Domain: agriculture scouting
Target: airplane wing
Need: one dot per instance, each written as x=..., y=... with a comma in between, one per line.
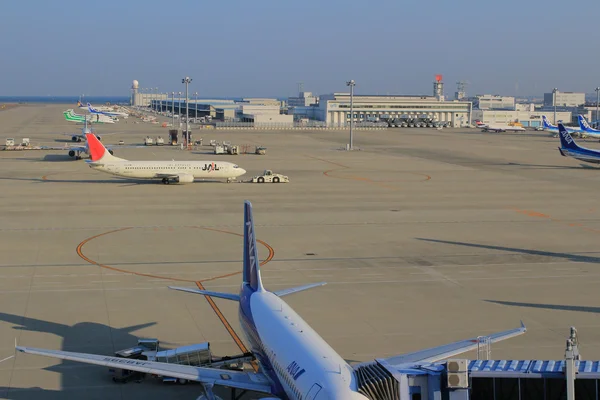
x=441, y=352
x=67, y=147
x=236, y=379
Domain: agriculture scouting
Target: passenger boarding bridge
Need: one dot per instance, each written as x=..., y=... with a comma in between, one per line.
x=485, y=379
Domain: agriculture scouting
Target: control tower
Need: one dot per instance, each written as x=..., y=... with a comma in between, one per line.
x=438, y=88
x=134, y=91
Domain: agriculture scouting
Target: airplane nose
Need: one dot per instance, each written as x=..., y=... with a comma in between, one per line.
x=242, y=171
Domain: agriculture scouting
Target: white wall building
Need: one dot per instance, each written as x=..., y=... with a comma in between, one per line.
x=526, y=118
x=564, y=99
x=495, y=102
x=334, y=108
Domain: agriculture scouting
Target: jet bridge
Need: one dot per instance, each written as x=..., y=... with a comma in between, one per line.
x=485, y=379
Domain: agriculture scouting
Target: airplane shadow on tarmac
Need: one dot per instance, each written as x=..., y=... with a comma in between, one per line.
x=542, y=166
x=80, y=334
x=92, y=382
x=566, y=256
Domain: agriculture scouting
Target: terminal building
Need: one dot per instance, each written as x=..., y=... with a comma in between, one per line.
x=334, y=109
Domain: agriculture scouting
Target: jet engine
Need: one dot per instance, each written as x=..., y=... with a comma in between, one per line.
x=184, y=178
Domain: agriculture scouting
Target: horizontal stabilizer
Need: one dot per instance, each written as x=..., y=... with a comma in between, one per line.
x=226, y=296
x=297, y=289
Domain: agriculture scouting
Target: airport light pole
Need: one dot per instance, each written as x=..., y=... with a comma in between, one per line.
x=156, y=108
x=554, y=91
x=187, y=80
x=173, y=109
x=597, y=101
x=195, y=104
x=351, y=83
x=179, y=108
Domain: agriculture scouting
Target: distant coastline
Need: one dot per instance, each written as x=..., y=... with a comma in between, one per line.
x=123, y=100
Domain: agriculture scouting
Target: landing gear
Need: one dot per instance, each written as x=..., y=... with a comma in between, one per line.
x=165, y=181
x=71, y=153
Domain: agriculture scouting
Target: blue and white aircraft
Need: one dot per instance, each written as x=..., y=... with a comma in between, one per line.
x=294, y=361
x=108, y=113
x=568, y=148
x=554, y=129
x=586, y=129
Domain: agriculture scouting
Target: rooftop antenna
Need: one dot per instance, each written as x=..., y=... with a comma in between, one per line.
x=461, y=89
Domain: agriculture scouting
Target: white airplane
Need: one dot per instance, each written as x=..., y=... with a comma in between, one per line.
x=586, y=129
x=501, y=128
x=167, y=171
x=294, y=361
x=104, y=111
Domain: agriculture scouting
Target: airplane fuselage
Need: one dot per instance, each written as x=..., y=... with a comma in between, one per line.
x=160, y=169
x=299, y=362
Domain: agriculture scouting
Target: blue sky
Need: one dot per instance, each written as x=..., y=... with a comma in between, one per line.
x=264, y=47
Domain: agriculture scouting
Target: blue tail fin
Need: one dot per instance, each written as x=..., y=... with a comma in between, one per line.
x=251, y=273
x=583, y=124
x=546, y=123
x=566, y=141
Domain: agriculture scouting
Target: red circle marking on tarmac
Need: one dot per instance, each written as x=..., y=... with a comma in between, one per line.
x=89, y=260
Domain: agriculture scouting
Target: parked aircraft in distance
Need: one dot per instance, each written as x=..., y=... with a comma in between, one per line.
x=502, y=128
x=96, y=119
x=554, y=129
x=568, y=148
x=167, y=171
x=586, y=129
x=109, y=113
x=294, y=361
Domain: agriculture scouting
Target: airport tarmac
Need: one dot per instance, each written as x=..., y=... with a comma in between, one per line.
x=424, y=237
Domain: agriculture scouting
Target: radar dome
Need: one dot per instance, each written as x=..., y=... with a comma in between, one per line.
x=135, y=84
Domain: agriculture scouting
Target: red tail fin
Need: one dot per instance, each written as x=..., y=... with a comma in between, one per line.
x=97, y=149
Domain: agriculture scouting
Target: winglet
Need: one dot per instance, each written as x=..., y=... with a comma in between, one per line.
x=523, y=326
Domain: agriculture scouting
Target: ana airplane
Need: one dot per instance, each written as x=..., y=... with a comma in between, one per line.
x=167, y=171
x=586, y=129
x=554, y=129
x=294, y=361
x=106, y=112
x=568, y=148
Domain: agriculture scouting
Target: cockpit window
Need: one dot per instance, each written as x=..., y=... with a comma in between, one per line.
x=235, y=166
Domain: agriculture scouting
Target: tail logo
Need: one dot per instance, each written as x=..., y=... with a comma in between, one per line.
x=251, y=253
x=567, y=137
x=585, y=123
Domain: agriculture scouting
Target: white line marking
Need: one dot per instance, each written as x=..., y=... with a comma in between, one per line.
x=7, y=358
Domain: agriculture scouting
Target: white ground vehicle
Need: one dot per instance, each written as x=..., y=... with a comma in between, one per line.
x=269, y=176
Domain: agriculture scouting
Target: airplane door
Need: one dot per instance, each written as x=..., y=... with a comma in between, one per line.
x=314, y=390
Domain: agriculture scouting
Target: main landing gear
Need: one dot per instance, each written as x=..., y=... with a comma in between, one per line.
x=165, y=181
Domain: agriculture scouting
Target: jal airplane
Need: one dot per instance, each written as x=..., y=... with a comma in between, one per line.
x=108, y=113
x=568, y=148
x=166, y=171
x=586, y=129
x=294, y=361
